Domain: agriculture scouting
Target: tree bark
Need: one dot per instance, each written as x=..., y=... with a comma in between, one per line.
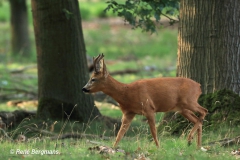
x=62, y=65
x=20, y=44
x=208, y=43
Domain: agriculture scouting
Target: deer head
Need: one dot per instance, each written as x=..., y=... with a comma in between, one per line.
x=97, y=79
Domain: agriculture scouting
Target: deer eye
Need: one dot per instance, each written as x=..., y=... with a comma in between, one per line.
x=93, y=79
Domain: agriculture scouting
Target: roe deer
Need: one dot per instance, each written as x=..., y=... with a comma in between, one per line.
x=147, y=96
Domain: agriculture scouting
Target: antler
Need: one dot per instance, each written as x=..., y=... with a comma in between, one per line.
x=96, y=64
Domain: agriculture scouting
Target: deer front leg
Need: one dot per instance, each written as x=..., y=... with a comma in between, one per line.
x=151, y=122
x=126, y=121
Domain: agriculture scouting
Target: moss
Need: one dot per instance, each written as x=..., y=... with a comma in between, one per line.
x=223, y=107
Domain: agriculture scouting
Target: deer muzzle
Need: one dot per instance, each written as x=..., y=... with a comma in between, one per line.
x=85, y=90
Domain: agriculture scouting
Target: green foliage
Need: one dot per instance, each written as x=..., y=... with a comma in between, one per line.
x=93, y=9
x=140, y=13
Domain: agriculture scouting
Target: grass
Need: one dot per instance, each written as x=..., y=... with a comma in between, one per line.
x=137, y=142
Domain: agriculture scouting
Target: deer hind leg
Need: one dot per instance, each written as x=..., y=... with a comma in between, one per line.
x=151, y=122
x=198, y=109
x=199, y=138
x=126, y=121
x=202, y=111
x=197, y=125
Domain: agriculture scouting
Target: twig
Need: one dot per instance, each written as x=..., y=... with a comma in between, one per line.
x=169, y=17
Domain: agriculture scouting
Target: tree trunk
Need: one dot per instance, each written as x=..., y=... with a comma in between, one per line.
x=20, y=44
x=62, y=65
x=208, y=43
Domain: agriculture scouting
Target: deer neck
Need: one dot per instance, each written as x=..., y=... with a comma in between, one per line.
x=115, y=89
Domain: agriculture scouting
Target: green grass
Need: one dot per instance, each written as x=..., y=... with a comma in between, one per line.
x=136, y=142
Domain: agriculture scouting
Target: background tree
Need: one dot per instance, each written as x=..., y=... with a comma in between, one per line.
x=20, y=44
x=61, y=57
x=208, y=44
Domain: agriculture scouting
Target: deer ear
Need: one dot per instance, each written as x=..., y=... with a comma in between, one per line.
x=104, y=69
x=99, y=65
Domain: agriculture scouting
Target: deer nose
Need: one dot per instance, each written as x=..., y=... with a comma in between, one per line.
x=85, y=90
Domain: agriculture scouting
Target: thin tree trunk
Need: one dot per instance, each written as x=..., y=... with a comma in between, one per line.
x=20, y=44
x=62, y=65
x=208, y=43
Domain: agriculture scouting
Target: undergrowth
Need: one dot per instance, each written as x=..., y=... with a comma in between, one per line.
x=47, y=135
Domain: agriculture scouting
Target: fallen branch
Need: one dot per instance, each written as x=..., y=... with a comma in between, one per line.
x=226, y=142
x=16, y=71
x=127, y=71
x=55, y=136
x=145, y=69
x=18, y=90
x=79, y=136
x=14, y=118
x=42, y=131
